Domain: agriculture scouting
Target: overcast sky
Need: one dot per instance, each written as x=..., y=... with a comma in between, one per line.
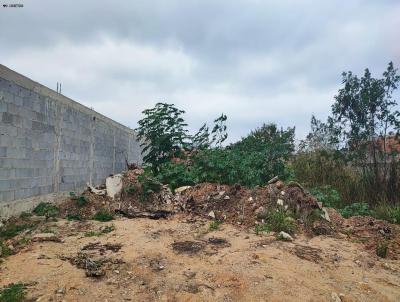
x=255, y=60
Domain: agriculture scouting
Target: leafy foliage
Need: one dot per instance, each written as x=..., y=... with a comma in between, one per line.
x=250, y=162
x=163, y=132
x=11, y=230
x=13, y=293
x=177, y=175
x=103, y=216
x=280, y=220
x=327, y=195
x=214, y=225
x=46, y=209
x=356, y=209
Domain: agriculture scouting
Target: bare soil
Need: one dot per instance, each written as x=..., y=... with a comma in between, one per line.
x=180, y=259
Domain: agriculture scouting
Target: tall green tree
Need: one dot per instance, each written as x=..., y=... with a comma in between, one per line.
x=163, y=133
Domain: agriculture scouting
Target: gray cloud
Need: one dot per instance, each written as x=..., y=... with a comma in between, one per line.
x=257, y=61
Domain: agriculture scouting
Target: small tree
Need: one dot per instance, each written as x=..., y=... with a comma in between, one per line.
x=219, y=131
x=163, y=132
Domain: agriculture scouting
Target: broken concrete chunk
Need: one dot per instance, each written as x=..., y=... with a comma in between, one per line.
x=325, y=215
x=114, y=185
x=273, y=180
x=285, y=236
x=97, y=191
x=181, y=189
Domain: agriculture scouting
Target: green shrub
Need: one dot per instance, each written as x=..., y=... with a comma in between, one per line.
x=388, y=213
x=4, y=250
x=280, y=220
x=149, y=184
x=177, y=175
x=77, y=217
x=130, y=190
x=103, y=230
x=214, y=225
x=13, y=293
x=81, y=200
x=261, y=228
x=103, y=216
x=46, y=209
x=329, y=196
x=11, y=230
x=382, y=249
x=356, y=209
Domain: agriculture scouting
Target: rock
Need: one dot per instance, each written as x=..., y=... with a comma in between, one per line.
x=259, y=211
x=96, y=191
x=283, y=193
x=211, y=214
x=189, y=274
x=285, y=236
x=227, y=197
x=279, y=184
x=114, y=185
x=325, y=215
x=273, y=180
x=335, y=297
x=181, y=189
x=279, y=202
x=46, y=237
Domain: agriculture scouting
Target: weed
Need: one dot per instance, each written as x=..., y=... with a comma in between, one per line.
x=356, y=209
x=280, y=220
x=382, y=249
x=103, y=216
x=81, y=200
x=25, y=215
x=46, y=209
x=131, y=190
x=103, y=230
x=214, y=225
x=11, y=230
x=4, y=250
x=261, y=228
x=388, y=213
x=77, y=217
x=13, y=293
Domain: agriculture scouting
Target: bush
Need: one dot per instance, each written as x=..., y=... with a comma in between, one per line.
x=13, y=293
x=388, y=213
x=280, y=220
x=103, y=216
x=4, y=250
x=356, y=209
x=46, y=209
x=11, y=230
x=77, y=217
x=177, y=175
x=149, y=183
x=327, y=195
x=80, y=200
x=214, y=225
x=261, y=228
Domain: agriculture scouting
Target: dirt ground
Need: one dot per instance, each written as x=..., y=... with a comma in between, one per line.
x=180, y=259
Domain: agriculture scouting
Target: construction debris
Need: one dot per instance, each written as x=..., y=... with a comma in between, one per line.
x=114, y=186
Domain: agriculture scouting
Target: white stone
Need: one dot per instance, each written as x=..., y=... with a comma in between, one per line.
x=279, y=202
x=211, y=214
x=285, y=236
x=181, y=189
x=114, y=185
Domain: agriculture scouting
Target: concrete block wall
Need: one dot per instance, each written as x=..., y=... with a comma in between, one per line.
x=51, y=145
